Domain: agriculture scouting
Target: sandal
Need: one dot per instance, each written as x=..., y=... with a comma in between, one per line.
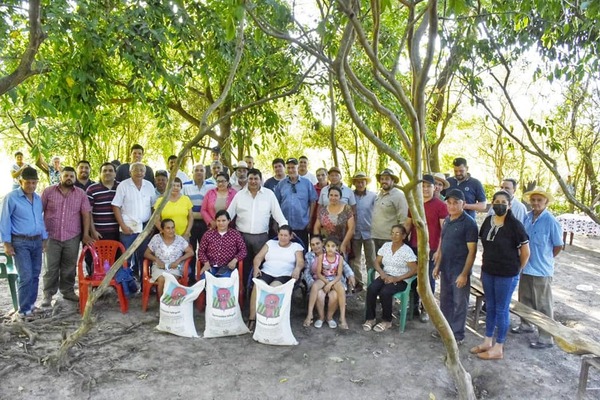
x=251, y=325
x=382, y=326
x=319, y=323
x=479, y=349
x=343, y=325
x=307, y=322
x=368, y=325
x=332, y=324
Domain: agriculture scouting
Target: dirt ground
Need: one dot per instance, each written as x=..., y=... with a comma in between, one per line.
x=124, y=356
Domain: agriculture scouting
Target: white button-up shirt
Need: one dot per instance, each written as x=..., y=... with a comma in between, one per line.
x=135, y=204
x=254, y=212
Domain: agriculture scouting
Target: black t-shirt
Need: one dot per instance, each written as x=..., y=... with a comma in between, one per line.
x=501, y=246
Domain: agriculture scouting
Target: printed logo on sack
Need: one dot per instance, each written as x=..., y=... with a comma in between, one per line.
x=269, y=305
x=223, y=298
x=174, y=295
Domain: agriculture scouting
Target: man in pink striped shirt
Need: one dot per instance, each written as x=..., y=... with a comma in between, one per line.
x=67, y=218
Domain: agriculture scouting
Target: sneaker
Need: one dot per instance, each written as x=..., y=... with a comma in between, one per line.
x=47, y=301
x=519, y=330
x=70, y=296
x=318, y=323
x=424, y=317
x=332, y=324
x=459, y=341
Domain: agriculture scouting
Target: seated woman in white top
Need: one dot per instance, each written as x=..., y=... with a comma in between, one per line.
x=283, y=260
x=399, y=263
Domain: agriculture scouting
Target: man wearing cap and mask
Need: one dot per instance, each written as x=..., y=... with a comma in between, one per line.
x=472, y=189
x=365, y=200
x=545, y=244
x=24, y=235
x=390, y=208
x=239, y=179
x=335, y=179
x=435, y=214
x=297, y=198
x=456, y=254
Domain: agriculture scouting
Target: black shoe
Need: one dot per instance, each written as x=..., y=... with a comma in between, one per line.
x=540, y=345
x=518, y=330
x=70, y=296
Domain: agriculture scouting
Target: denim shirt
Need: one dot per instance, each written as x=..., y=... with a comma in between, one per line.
x=296, y=200
x=364, y=214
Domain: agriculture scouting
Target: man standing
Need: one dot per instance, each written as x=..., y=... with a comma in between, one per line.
x=240, y=177
x=249, y=161
x=215, y=154
x=390, y=208
x=297, y=198
x=137, y=153
x=335, y=179
x=517, y=208
x=279, y=171
x=546, y=242
x=83, y=175
x=365, y=201
x=456, y=255
x=472, y=189
x=435, y=214
x=196, y=190
x=161, y=178
x=132, y=206
x=67, y=218
x=254, y=206
x=303, y=170
x=103, y=224
x=215, y=168
x=24, y=235
x=178, y=173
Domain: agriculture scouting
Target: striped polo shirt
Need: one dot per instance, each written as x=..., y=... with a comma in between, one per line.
x=100, y=198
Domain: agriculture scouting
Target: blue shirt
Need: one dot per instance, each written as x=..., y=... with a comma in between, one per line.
x=544, y=233
x=364, y=214
x=21, y=217
x=455, y=236
x=296, y=200
x=347, y=196
x=472, y=189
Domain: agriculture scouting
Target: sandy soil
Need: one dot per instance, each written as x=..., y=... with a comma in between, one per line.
x=124, y=356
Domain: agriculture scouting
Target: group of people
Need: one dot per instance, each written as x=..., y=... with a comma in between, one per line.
x=217, y=222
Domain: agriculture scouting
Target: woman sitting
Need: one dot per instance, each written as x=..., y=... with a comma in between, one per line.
x=505, y=254
x=167, y=251
x=283, y=261
x=399, y=263
x=222, y=248
x=178, y=209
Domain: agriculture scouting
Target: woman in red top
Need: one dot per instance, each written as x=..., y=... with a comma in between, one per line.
x=221, y=247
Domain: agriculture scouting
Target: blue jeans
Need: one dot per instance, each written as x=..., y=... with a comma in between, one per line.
x=454, y=301
x=498, y=291
x=28, y=261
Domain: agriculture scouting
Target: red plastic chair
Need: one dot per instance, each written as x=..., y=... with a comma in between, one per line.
x=201, y=300
x=183, y=280
x=100, y=250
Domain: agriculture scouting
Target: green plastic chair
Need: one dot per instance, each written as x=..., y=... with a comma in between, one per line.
x=405, y=298
x=8, y=271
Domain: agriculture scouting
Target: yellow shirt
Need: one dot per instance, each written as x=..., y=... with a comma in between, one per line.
x=178, y=211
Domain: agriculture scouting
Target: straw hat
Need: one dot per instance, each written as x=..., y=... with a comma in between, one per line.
x=388, y=172
x=541, y=192
x=438, y=176
x=361, y=175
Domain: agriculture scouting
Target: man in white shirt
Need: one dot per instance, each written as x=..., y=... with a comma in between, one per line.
x=132, y=206
x=179, y=173
x=254, y=206
x=304, y=172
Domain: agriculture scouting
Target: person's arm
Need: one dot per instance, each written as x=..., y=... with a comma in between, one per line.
x=299, y=265
x=412, y=271
x=188, y=253
x=437, y=252
x=149, y=254
x=241, y=251
x=85, y=219
x=317, y=227
x=345, y=246
x=556, y=250
x=190, y=223
x=157, y=221
x=276, y=212
x=320, y=275
x=461, y=280
x=258, y=259
x=524, y=253
x=408, y=224
x=437, y=258
x=311, y=212
x=119, y=217
x=204, y=210
x=17, y=173
x=95, y=235
x=478, y=206
x=378, y=267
